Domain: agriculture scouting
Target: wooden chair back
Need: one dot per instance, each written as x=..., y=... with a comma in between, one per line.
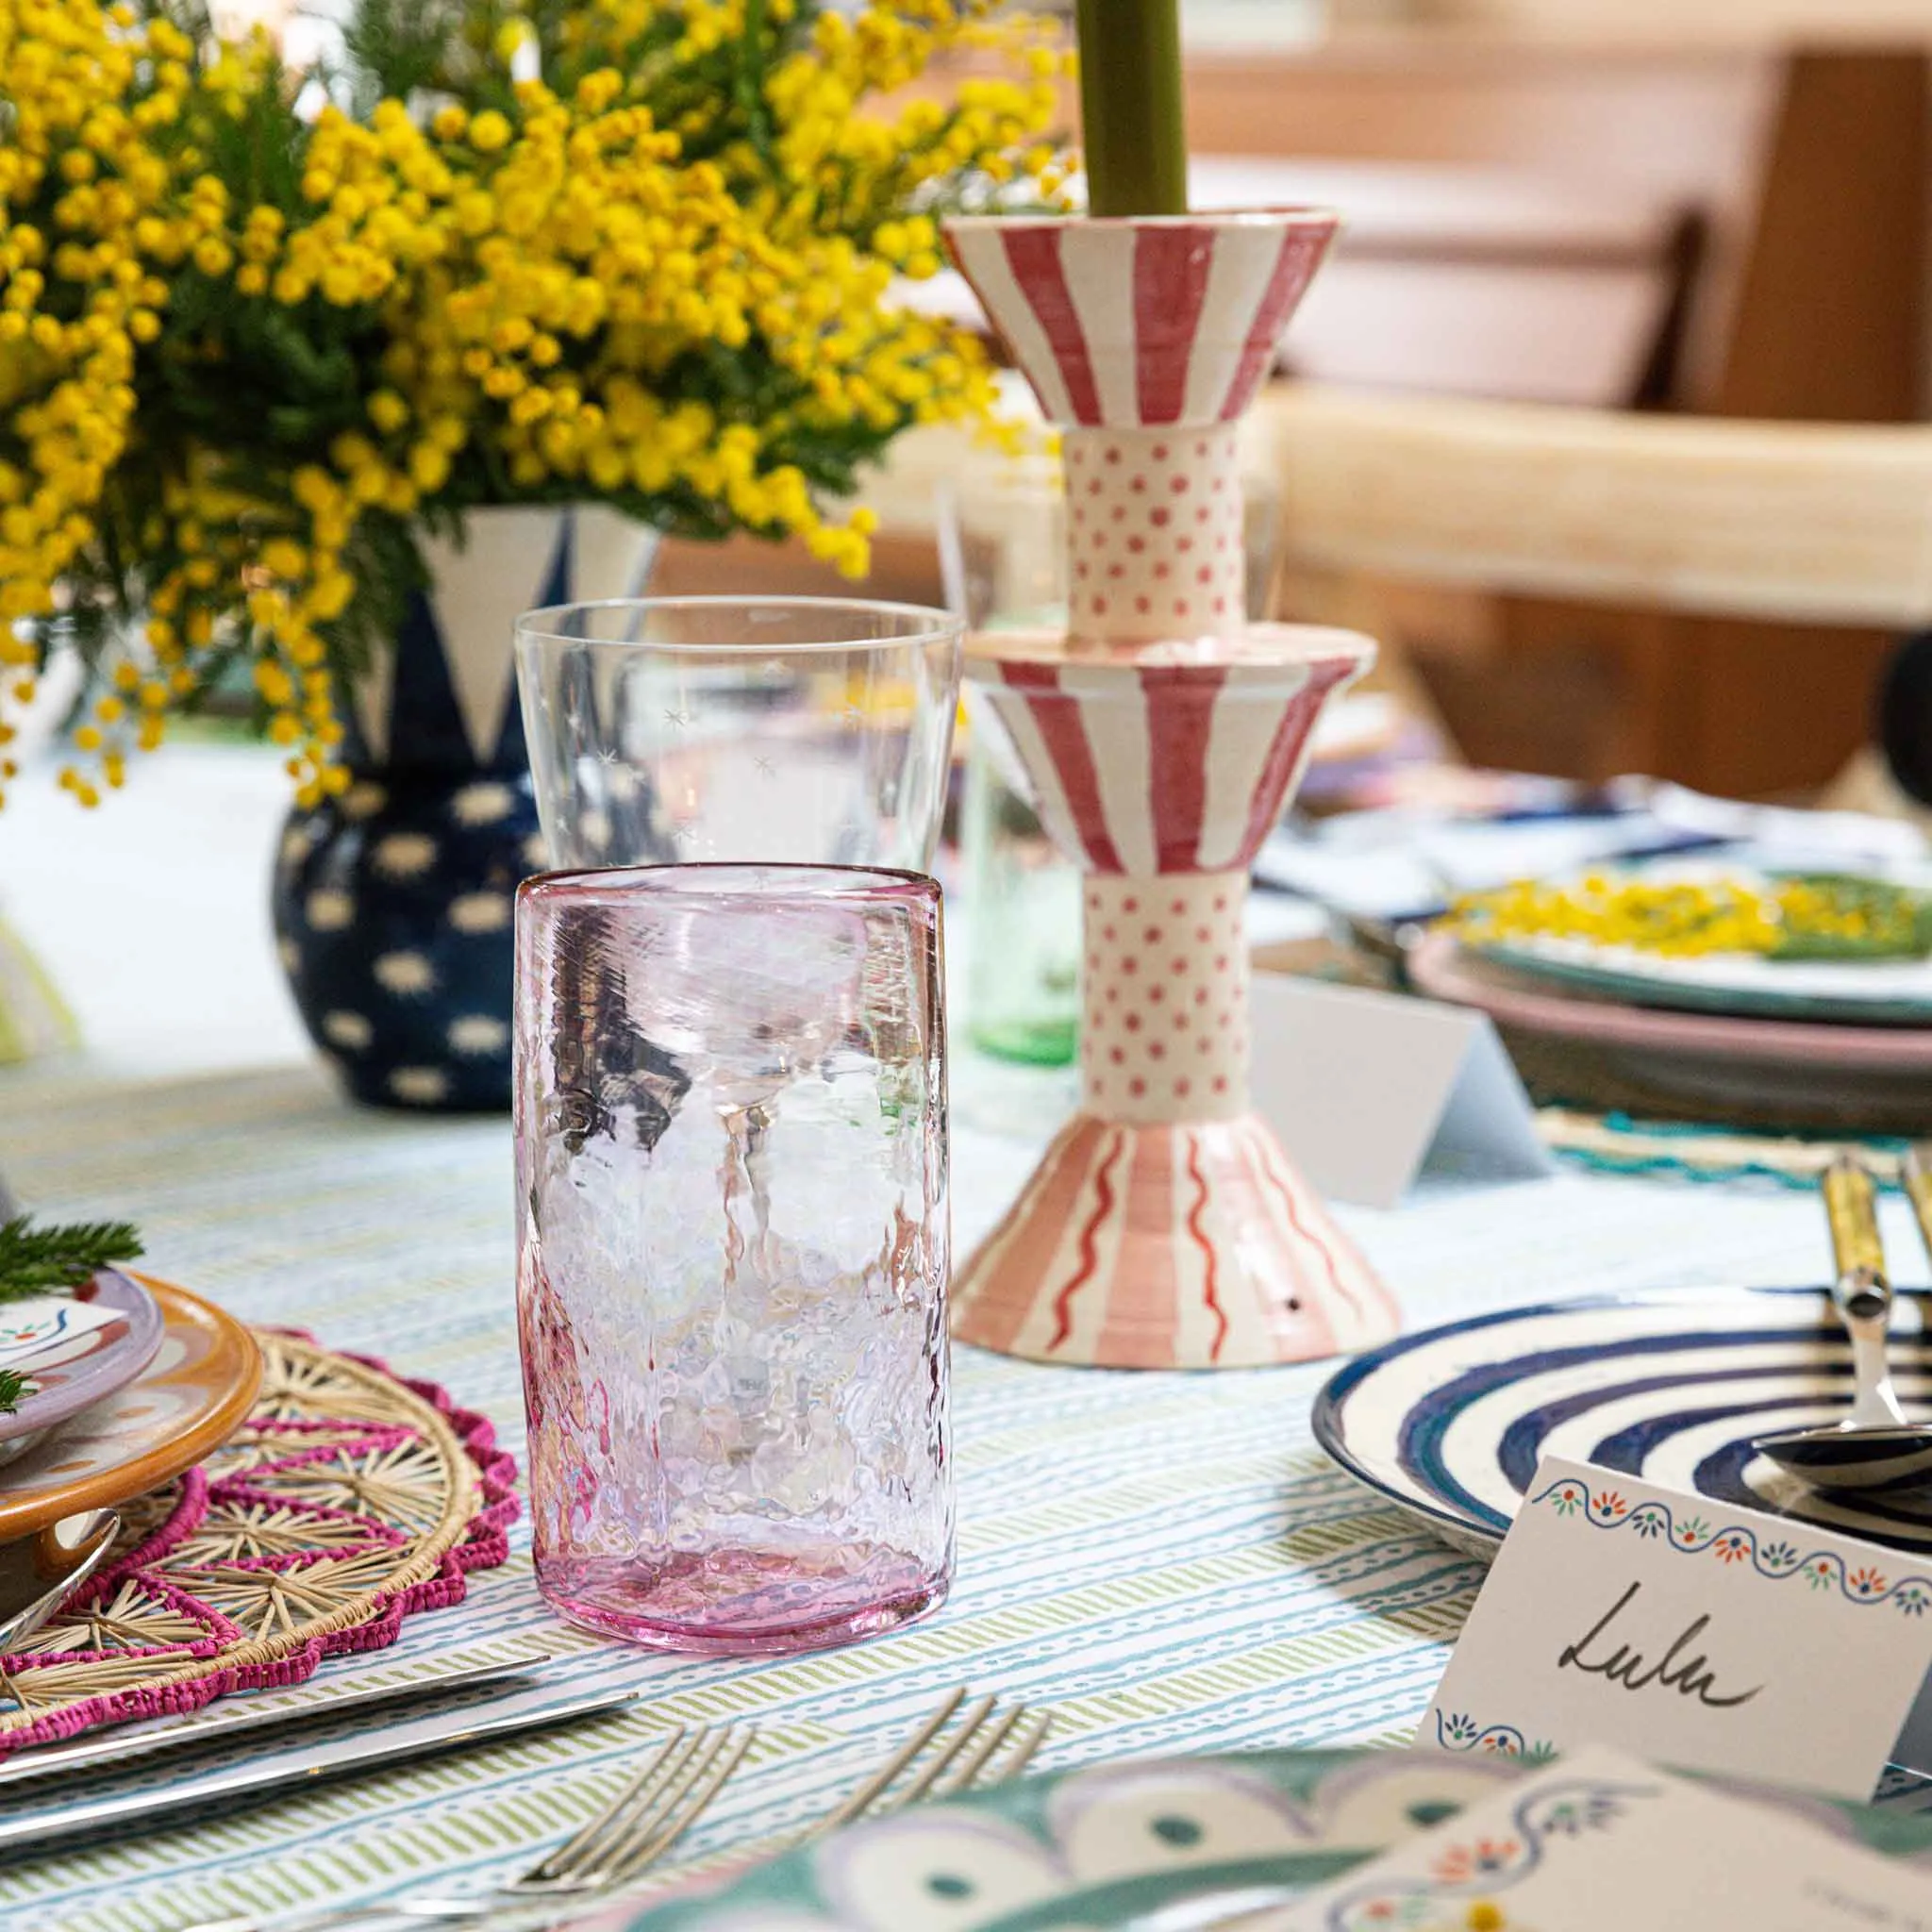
x=1590, y=593
x=1793, y=523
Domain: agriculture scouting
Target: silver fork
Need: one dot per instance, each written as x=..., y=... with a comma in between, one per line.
x=987, y=1748
x=635, y=1829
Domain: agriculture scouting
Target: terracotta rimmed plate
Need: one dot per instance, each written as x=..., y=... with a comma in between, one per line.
x=69, y=1375
x=190, y=1399
x=1877, y=1079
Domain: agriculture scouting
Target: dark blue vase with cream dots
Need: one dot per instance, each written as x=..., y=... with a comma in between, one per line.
x=394, y=903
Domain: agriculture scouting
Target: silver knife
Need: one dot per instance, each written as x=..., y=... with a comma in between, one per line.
x=427, y=1736
x=118, y=1748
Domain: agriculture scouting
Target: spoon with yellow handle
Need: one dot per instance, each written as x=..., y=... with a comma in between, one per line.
x=1917, y=1178
x=1875, y=1447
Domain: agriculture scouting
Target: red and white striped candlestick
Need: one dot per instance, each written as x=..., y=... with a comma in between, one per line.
x=1163, y=737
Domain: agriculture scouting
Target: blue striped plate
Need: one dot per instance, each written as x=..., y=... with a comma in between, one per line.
x=1674, y=1388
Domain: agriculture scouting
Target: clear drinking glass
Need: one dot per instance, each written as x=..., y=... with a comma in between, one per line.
x=1022, y=910
x=733, y=1250
x=1006, y=526
x=802, y=730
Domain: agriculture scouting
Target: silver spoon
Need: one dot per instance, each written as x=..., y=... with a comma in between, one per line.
x=1875, y=1447
x=38, y=1573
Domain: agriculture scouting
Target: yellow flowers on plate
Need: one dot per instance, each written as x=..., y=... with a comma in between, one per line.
x=1814, y=916
x=259, y=330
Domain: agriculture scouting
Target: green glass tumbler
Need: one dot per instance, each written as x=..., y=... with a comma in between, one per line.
x=1023, y=979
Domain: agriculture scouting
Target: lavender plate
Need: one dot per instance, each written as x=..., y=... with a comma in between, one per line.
x=73, y=1374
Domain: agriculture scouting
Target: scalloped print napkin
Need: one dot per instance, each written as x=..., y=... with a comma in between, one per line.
x=1601, y=1843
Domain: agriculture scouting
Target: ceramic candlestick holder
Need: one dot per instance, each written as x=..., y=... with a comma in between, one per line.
x=1164, y=736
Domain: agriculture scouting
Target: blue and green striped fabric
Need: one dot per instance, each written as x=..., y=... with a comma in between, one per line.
x=1166, y=1561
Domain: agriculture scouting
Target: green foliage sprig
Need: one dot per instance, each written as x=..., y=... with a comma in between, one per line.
x=52, y=1260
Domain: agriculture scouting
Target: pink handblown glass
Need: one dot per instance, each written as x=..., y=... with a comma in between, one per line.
x=733, y=1251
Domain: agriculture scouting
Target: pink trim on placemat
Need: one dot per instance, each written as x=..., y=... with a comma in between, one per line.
x=485, y=1547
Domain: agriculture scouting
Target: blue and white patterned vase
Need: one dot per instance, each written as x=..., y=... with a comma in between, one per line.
x=394, y=903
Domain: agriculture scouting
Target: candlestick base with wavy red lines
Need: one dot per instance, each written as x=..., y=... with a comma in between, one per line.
x=1163, y=737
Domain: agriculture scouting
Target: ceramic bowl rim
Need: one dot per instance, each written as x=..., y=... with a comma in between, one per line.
x=1286, y=215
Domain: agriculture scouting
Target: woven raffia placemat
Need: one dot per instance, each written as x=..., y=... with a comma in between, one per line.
x=349, y=1500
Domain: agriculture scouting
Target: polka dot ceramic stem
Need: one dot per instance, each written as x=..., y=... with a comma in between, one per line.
x=1164, y=736
x=1166, y=1028
x=1159, y=547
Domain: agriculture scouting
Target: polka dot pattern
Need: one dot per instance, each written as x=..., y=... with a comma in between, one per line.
x=395, y=924
x=1165, y=1033
x=1154, y=536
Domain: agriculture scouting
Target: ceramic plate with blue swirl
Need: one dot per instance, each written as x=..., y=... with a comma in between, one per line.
x=1450, y=1424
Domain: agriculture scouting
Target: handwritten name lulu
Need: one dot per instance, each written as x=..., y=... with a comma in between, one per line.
x=1689, y=1675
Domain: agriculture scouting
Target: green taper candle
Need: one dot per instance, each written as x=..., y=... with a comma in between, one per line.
x=1136, y=135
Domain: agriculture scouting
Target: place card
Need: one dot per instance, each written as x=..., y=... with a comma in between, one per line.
x=1366, y=1088
x=1700, y=1635
x=1601, y=1843
x=32, y=1328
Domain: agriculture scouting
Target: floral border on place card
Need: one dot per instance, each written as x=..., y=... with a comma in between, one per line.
x=1774, y=1560
x=1461, y=1734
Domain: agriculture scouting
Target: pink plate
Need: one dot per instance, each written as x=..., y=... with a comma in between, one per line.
x=1878, y=1078
x=1441, y=968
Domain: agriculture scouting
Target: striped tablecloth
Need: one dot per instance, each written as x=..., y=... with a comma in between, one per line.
x=1166, y=1561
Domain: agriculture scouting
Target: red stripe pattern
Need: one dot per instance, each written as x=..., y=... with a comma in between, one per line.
x=1142, y=1329
x=1210, y=1281
x=1171, y=268
x=1180, y=732
x=1033, y=254
x=1302, y=254
x=1061, y=728
x=1210, y=299
x=1281, y=1282
x=1184, y=720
